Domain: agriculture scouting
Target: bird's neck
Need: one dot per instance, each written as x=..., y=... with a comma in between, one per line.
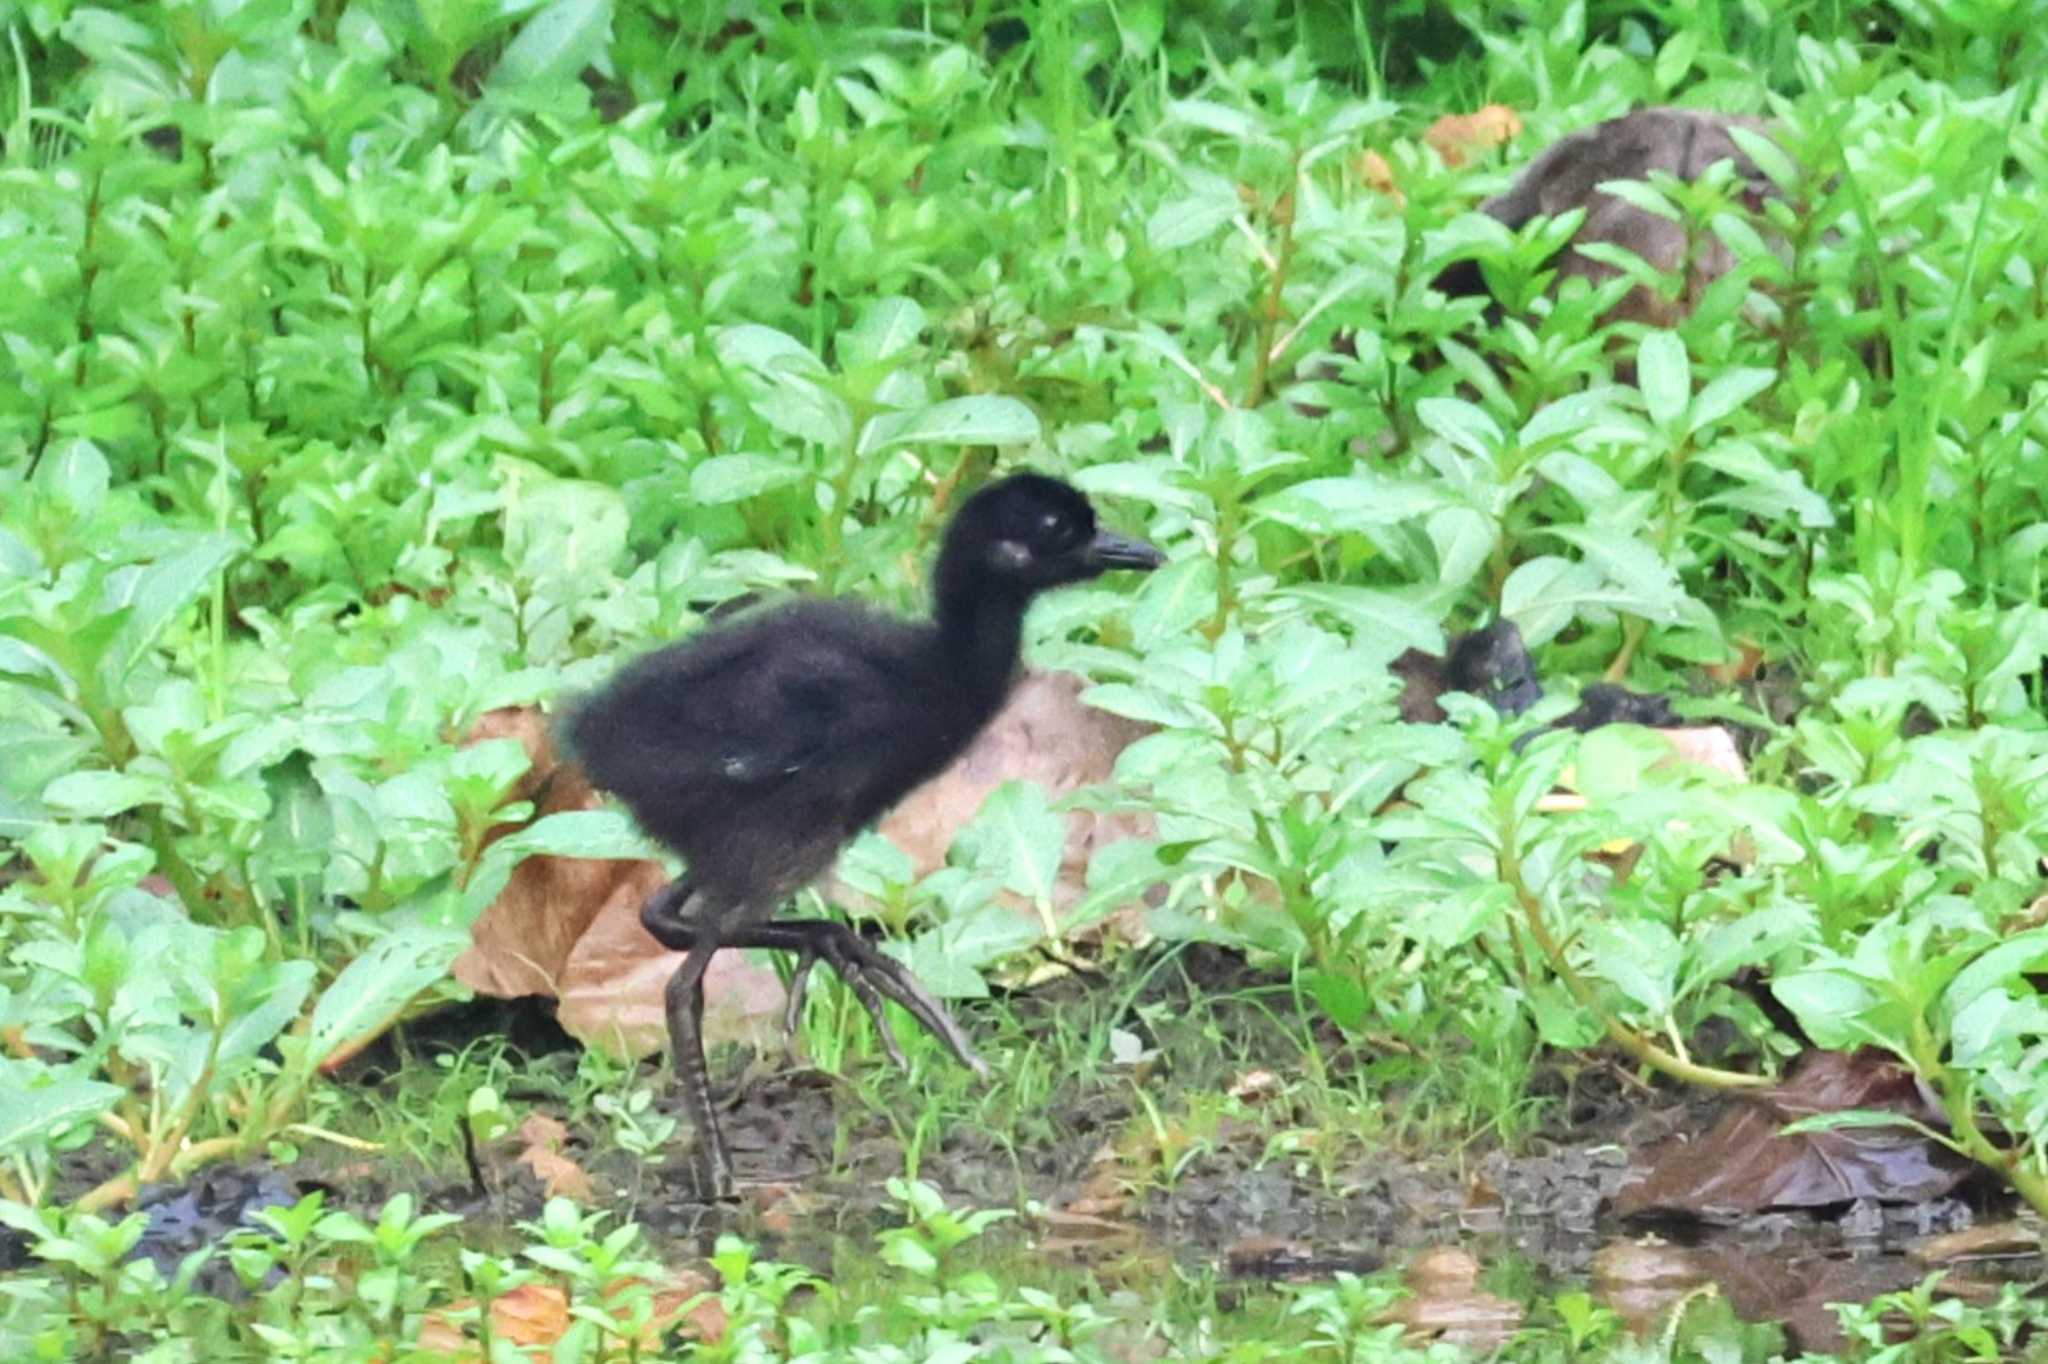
x=982, y=636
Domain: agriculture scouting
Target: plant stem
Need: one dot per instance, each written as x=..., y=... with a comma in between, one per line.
x=1623, y=1036
x=1959, y=1103
x=1274, y=308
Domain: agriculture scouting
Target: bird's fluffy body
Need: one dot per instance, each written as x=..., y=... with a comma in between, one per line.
x=758, y=748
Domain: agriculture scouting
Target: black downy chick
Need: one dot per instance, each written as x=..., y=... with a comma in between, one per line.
x=758, y=748
x=1491, y=663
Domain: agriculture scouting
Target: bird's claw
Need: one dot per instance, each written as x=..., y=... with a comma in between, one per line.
x=874, y=976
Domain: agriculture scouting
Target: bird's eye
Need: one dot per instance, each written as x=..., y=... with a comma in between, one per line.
x=1049, y=522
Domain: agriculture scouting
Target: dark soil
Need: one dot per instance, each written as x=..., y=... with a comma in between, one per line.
x=1231, y=1204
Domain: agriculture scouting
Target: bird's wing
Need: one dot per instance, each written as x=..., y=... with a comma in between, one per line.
x=805, y=709
x=748, y=708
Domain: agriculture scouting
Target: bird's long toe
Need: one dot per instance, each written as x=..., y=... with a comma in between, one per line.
x=869, y=972
x=793, y=1005
x=855, y=974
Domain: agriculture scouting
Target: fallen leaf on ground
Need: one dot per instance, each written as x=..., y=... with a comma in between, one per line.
x=522, y=940
x=541, y=1143
x=1709, y=746
x=527, y=1314
x=1642, y=1280
x=1746, y=1165
x=1255, y=1086
x=1800, y=1293
x=1267, y=1257
x=1446, y=1303
x=1064, y=1229
x=1990, y=1240
x=615, y=980
x=537, y=1314
x=570, y=927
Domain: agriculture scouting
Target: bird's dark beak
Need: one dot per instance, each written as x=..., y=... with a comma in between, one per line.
x=1111, y=550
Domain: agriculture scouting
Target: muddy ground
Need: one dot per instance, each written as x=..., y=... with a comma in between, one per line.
x=1105, y=1196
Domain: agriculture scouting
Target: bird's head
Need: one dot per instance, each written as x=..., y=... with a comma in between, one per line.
x=1027, y=533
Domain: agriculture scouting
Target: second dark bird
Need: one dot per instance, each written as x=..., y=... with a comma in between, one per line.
x=758, y=748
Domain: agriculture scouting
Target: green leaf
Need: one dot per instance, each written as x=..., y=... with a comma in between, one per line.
x=1197, y=216
x=100, y=795
x=806, y=411
x=372, y=989
x=949, y=959
x=77, y=473
x=1545, y=594
x=1149, y=705
x=982, y=419
x=554, y=46
x=1770, y=158
x=161, y=591
x=1859, y=1118
x=906, y=1253
x=1155, y=482
x=1388, y=623
x=2003, y=967
x=1119, y=874
x=1640, y=958
x=1638, y=579
x=34, y=1113
x=1342, y=996
x=1764, y=487
x=1641, y=195
x=1664, y=372
x=886, y=330
x=600, y=834
x=1018, y=838
x=1831, y=1007
x=1995, y=1028
x=1676, y=58
x=1751, y=940
x=1239, y=125
x=1560, y=1021
x=1465, y=426
x=1331, y=506
x=735, y=478
x=752, y=346
x=1726, y=392
x=562, y=528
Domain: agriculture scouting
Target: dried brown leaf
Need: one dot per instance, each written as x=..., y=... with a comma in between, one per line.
x=523, y=939
x=1456, y=137
x=1255, y=1086
x=1446, y=1303
x=542, y=1140
x=1373, y=172
x=1746, y=1165
x=570, y=927
x=536, y=1315
x=1749, y=656
x=1043, y=734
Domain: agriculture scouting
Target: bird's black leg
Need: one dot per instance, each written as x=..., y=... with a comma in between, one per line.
x=699, y=938
x=871, y=975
